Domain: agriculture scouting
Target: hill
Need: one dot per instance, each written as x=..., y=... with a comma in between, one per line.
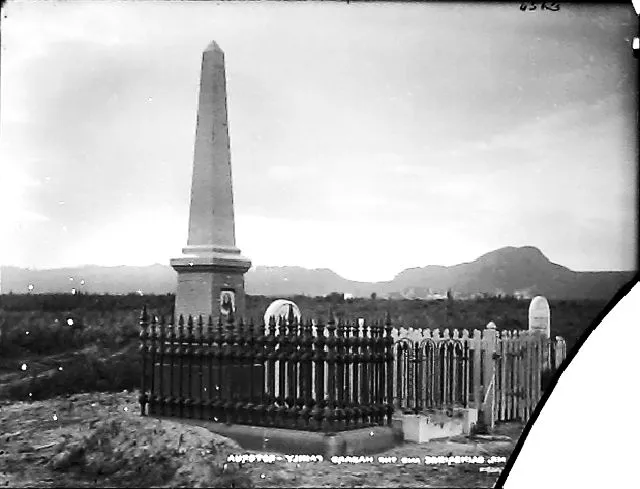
x=524, y=271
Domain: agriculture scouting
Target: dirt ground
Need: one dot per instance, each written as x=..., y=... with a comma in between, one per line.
x=101, y=440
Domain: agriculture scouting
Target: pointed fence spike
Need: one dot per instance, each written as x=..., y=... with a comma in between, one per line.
x=290, y=315
x=387, y=319
x=331, y=318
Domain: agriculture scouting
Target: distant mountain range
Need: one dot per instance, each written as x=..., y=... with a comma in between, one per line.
x=523, y=271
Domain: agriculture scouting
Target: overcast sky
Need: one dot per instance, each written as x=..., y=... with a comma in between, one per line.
x=364, y=138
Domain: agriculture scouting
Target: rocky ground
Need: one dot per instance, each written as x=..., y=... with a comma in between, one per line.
x=100, y=439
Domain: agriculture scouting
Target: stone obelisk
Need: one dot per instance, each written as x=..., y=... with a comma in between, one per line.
x=211, y=270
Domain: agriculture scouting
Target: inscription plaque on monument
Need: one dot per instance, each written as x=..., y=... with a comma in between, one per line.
x=227, y=302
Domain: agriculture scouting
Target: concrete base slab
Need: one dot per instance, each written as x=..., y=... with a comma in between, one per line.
x=364, y=441
x=436, y=424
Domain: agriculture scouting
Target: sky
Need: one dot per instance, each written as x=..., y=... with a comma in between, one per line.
x=365, y=138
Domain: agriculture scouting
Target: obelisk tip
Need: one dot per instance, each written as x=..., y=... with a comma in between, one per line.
x=213, y=46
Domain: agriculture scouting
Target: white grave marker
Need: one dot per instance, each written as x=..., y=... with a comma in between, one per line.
x=540, y=316
x=278, y=308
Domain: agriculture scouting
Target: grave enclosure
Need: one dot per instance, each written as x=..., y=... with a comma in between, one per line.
x=337, y=376
x=303, y=386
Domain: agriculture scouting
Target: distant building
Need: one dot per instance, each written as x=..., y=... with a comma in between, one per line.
x=436, y=296
x=410, y=293
x=522, y=294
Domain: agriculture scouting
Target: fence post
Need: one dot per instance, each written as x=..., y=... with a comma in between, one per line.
x=258, y=376
x=348, y=377
x=367, y=374
x=153, y=337
x=489, y=394
x=476, y=346
x=331, y=373
x=307, y=383
x=209, y=360
x=143, y=398
x=317, y=413
x=530, y=342
x=270, y=372
x=395, y=336
x=538, y=362
x=388, y=327
x=503, y=373
x=521, y=362
x=229, y=370
x=514, y=374
x=465, y=368
x=179, y=352
x=340, y=419
x=190, y=353
x=160, y=353
x=282, y=343
x=355, y=394
x=295, y=345
x=560, y=352
x=380, y=381
x=217, y=409
x=169, y=352
x=243, y=346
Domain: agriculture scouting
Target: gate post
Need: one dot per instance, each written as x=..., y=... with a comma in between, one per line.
x=489, y=374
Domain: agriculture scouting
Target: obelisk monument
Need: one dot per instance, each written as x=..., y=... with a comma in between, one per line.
x=211, y=270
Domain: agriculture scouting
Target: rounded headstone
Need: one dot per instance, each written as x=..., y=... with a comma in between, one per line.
x=280, y=307
x=540, y=316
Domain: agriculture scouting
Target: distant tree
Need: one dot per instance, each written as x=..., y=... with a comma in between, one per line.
x=335, y=297
x=374, y=296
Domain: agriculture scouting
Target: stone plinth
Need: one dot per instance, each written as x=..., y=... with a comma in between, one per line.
x=436, y=424
x=202, y=279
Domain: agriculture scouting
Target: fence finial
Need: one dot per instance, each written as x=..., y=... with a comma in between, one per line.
x=290, y=315
x=331, y=319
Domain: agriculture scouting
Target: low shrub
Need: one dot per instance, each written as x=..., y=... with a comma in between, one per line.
x=88, y=371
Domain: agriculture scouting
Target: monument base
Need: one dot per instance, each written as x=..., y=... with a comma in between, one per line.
x=206, y=280
x=364, y=441
x=436, y=424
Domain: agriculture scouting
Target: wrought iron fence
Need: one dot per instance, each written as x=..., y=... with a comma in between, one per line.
x=294, y=374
